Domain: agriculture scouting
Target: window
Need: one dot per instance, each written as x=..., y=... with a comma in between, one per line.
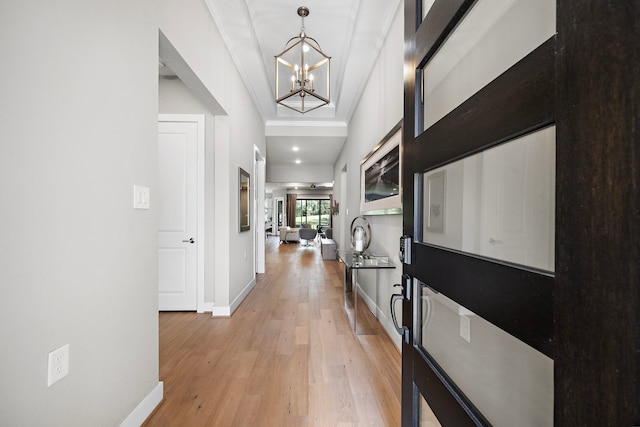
x=313, y=211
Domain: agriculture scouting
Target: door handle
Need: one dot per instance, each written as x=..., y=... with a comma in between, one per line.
x=402, y=330
x=189, y=241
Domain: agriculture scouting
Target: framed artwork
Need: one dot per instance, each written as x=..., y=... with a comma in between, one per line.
x=436, y=201
x=380, y=176
x=244, y=220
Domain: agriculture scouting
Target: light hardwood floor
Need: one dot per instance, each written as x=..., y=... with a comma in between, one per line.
x=286, y=357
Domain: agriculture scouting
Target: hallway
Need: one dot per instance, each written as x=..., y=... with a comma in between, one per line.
x=286, y=357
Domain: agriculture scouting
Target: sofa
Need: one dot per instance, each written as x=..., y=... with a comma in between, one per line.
x=288, y=234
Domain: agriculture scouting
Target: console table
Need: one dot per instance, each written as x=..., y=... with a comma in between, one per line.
x=352, y=263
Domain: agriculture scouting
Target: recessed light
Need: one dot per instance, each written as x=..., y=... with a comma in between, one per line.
x=297, y=161
x=295, y=148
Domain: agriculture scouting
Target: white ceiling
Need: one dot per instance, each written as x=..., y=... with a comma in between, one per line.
x=350, y=31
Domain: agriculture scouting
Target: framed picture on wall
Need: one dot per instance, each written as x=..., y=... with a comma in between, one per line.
x=244, y=201
x=436, y=185
x=380, y=176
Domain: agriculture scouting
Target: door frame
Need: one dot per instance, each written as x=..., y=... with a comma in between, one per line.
x=342, y=235
x=199, y=119
x=259, y=172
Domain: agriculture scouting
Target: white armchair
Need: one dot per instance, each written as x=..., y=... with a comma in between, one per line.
x=288, y=234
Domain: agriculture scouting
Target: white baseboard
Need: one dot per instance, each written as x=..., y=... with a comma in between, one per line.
x=236, y=302
x=145, y=407
x=226, y=311
x=206, y=307
x=371, y=304
x=386, y=323
x=390, y=329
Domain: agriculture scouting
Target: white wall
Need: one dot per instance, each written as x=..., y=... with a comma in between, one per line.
x=189, y=27
x=246, y=129
x=380, y=108
x=78, y=265
x=307, y=173
x=79, y=128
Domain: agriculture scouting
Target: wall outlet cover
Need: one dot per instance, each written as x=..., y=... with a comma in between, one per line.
x=58, y=366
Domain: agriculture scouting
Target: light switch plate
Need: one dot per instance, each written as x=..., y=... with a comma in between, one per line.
x=140, y=197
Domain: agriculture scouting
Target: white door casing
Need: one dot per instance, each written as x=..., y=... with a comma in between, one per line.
x=179, y=201
x=259, y=173
x=343, y=234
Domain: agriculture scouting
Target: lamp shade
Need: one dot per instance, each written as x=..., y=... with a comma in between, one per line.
x=360, y=234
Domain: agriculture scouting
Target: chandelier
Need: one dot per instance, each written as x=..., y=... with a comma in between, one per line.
x=303, y=72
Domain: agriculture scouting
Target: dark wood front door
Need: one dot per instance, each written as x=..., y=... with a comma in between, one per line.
x=509, y=310
x=479, y=189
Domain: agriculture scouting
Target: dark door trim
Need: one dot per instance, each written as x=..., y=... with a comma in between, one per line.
x=519, y=101
x=518, y=301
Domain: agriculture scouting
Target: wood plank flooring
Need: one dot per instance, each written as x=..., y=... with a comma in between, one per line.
x=286, y=357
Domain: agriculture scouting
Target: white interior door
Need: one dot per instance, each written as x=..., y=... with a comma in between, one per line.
x=178, y=215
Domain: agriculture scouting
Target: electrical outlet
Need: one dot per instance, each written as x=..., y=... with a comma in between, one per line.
x=465, y=328
x=58, y=365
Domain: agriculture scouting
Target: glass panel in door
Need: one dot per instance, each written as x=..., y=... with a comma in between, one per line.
x=509, y=382
x=499, y=203
x=426, y=417
x=493, y=36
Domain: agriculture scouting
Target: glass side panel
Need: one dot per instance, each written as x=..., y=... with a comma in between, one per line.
x=492, y=37
x=509, y=382
x=426, y=415
x=426, y=7
x=499, y=203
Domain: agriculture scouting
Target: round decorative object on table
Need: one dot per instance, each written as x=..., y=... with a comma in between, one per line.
x=360, y=234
